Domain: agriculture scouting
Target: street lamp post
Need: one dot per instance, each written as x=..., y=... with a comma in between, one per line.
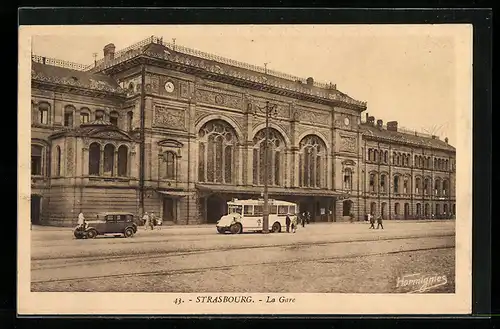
x=268, y=110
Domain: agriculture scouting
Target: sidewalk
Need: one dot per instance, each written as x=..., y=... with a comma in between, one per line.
x=210, y=226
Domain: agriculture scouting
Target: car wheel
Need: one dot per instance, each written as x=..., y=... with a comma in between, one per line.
x=276, y=227
x=128, y=232
x=91, y=234
x=77, y=235
x=236, y=228
x=221, y=230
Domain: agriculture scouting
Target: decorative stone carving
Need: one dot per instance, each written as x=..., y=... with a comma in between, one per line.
x=200, y=114
x=348, y=144
x=314, y=117
x=282, y=110
x=226, y=100
x=170, y=118
x=154, y=81
x=184, y=88
x=69, y=158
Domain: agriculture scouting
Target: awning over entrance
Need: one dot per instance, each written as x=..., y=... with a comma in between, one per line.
x=178, y=194
x=272, y=191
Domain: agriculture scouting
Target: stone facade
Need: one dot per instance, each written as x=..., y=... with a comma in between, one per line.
x=191, y=138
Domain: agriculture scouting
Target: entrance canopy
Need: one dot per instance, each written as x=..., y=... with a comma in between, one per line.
x=224, y=189
x=178, y=194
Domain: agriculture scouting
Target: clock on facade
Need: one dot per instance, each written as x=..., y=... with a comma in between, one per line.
x=169, y=86
x=346, y=121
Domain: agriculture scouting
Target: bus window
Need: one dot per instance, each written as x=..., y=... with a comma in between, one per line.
x=282, y=210
x=292, y=210
x=258, y=210
x=273, y=210
x=234, y=209
x=247, y=210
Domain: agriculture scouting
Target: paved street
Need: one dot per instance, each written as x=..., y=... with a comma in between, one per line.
x=326, y=257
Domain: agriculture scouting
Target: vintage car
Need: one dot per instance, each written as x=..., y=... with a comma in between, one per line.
x=109, y=223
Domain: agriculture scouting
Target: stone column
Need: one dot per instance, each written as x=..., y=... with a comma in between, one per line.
x=249, y=166
x=329, y=174
x=115, y=163
x=295, y=162
x=101, y=163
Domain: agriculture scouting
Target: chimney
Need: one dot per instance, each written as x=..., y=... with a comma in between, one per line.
x=371, y=120
x=109, y=52
x=446, y=140
x=392, y=125
x=380, y=124
x=310, y=81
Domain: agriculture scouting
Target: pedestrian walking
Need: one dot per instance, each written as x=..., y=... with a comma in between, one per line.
x=159, y=223
x=372, y=221
x=303, y=220
x=146, y=220
x=294, y=224
x=308, y=218
x=288, y=222
x=81, y=221
x=379, y=222
x=152, y=221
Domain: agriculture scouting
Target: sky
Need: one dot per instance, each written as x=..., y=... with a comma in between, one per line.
x=404, y=73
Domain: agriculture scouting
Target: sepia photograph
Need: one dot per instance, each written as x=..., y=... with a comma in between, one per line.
x=217, y=162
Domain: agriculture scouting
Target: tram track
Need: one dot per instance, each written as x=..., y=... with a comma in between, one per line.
x=149, y=273
x=90, y=259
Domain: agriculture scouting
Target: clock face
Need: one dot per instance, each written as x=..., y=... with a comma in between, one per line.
x=346, y=121
x=169, y=86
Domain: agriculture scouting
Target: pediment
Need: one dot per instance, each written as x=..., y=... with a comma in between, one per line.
x=348, y=163
x=170, y=143
x=110, y=134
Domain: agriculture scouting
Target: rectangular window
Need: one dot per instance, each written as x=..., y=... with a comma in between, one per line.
x=292, y=210
x=248, y=210
x=44, y=117
x=68, y=119
x=273, y=210
x=36, y=160
x=84, y=118
x=258, y=210
x=282, y=210
x=114, y=121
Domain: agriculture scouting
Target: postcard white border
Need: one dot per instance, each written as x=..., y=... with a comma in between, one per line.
x=38, y=303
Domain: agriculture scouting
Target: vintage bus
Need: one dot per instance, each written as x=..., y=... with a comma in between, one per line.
x=247, y=215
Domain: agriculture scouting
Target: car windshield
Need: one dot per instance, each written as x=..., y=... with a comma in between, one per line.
x=234, y=209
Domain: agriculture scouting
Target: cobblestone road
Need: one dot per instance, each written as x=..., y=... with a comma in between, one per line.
x=329, y=257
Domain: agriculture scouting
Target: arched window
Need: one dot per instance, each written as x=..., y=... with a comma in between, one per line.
x=169, y=159
x=396, y=208
x=217, y=144
x=312, y=161
x=396, y=184
x=375, y=156
x=418, y=182
x=370, y=154
x=348, y=179
x=437, y=187
x=445, y=187
x=68, y=116
x=122, y=161
x=435, y=164
x=130, y=118
x=94, y=159
x=36, y=160
x=383, y=210
x=383, y=183
x=84, y=116
x=419, y=209
x=99, y=115
x=372, y=182
x=427, y=210
x=373, y=208
x=57, y=165
x=405, y=185
x=428, y=166
x=113, y=118
x=109, y=159
x=427, y=186
x=446, y=165
x=445, y=209
x=438, y=209
x=386, y=156
x=275, y=157
x=43, y=113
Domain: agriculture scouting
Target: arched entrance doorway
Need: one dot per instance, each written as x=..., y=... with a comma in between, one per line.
x=373, y=209
x=216, y=208
x=36, y=209
x=407, y=210
x=383, y=210
x=346, y=207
